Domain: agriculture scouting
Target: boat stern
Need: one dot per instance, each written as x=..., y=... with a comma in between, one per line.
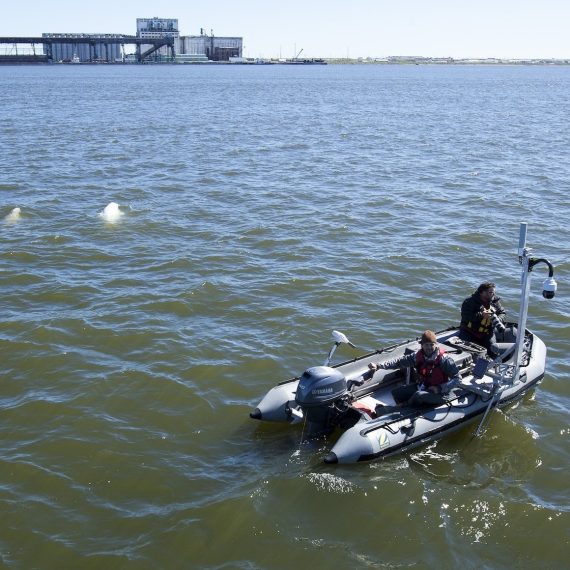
x=278, y=405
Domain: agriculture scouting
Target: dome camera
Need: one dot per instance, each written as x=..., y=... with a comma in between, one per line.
x=549, y=288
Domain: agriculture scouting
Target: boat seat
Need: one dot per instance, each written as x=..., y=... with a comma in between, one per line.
x=508, y=335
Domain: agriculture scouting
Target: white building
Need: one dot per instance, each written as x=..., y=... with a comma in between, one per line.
x=153, y=28
x=214, y=48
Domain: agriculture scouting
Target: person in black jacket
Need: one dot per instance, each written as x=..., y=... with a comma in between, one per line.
x=482, y=315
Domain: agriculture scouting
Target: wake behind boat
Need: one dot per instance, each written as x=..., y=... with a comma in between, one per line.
x=361, y=401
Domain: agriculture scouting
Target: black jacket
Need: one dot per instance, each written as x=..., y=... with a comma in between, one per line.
x=473, y=320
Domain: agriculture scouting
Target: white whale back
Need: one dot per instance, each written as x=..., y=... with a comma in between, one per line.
x=111, y=212
x=13, y=216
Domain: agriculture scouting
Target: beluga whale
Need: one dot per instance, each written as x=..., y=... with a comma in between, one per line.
x=111, y=213
x=13, y=216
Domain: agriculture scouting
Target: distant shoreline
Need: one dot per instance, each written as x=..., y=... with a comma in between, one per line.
x=395, y=60
x=402, y=60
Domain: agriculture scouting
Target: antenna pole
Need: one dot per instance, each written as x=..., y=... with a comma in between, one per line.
x=525, y=290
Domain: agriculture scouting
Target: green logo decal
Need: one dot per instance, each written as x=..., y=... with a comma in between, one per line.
x=383, y=440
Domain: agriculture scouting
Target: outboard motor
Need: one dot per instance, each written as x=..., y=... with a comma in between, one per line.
x=320, y=393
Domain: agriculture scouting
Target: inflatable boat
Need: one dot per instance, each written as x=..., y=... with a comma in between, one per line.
x=361, y=402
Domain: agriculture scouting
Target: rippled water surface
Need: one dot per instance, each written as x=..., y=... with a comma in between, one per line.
x=263, y=207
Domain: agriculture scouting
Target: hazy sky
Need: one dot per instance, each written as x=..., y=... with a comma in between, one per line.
x=326, y=28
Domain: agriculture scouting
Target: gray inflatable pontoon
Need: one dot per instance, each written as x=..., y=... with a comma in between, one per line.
x=361, y=403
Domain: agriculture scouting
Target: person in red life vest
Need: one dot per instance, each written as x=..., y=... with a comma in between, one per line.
x=437, y=374
x=482, y=316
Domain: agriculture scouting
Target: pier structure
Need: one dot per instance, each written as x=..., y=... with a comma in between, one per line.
x=99, y=48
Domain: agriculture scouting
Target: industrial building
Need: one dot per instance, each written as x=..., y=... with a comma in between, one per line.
x=211, y=47
x=188, y=49
x=153, y=28
x=165, y=44
x=84, y=49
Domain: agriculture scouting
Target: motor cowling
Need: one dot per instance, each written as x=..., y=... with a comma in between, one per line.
x=320, y=385
x=319, y=388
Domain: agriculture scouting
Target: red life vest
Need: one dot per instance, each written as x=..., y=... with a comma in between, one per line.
x=430, y=372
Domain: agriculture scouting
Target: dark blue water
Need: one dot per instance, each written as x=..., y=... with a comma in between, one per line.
x=263, y=207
